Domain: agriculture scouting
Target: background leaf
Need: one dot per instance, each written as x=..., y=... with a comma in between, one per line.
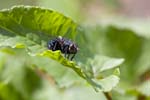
x=145, y=88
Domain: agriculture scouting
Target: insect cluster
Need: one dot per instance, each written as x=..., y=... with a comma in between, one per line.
x=64, y=45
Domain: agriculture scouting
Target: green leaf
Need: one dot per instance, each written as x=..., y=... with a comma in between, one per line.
x=102, y=63
x=105, y=79
x=108, y=83
x=63, y=76
x=31, y=27
x=57, y=56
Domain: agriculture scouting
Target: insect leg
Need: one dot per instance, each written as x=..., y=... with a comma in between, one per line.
x=65, y=51
x=54, y=48
x=73, y=56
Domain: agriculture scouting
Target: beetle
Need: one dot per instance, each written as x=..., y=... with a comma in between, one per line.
x=66, y=46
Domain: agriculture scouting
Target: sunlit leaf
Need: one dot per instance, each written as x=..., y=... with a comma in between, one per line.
x=102, y=63
x=32, y=27
x=108, y=83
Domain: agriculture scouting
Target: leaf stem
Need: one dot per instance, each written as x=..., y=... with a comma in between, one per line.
x=107, y=95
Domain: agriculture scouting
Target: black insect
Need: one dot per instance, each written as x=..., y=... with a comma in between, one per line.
x=64, y=45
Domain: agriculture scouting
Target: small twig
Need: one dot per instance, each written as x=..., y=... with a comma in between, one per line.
x=46, y=76
x=107, y=95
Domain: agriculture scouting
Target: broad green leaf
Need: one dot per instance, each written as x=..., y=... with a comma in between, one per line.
x=102, y=63
x=32, y=27
x=57, y=56
x=63, y=76
x=104, y=83
x=108, y=83
x=103, y=72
